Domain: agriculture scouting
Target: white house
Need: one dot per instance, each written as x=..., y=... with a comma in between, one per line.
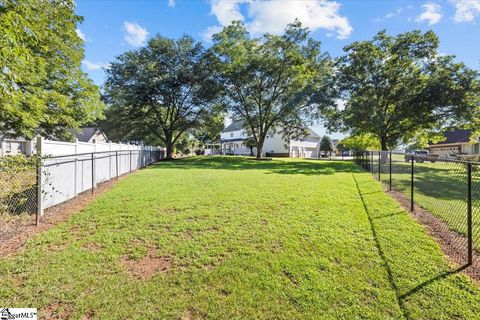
x=91, y=135
x=14, y=146
x=233, y=141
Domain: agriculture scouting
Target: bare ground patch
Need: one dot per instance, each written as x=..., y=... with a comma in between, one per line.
x=452, y=243
x=148, y=266
x=15, y=232
x=56, y=311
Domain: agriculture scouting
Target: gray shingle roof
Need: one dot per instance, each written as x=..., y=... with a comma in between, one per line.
x=85, y=133
x=234, y=126
x=455, y=136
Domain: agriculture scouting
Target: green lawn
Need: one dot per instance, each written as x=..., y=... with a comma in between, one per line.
x=441, y=188
x=239, y=239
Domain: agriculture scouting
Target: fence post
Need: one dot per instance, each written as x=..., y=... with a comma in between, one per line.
x=93, y=172
x=411, y=183
x=130, y=157
x=371, y=161
x=39, y=212
x=379, y=165
x=469, y=214
x=390, y=172
x=116, y=163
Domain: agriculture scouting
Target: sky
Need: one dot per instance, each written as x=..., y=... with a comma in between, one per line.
x=110, y=28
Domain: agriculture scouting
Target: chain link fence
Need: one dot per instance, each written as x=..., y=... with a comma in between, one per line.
x=31, y=185
x=444, y=194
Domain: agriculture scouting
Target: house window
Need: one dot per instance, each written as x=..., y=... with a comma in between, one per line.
x=476, y=148
x=231, y=134
x=8, y=147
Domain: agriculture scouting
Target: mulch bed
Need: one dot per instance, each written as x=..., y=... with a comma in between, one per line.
x=452, y=243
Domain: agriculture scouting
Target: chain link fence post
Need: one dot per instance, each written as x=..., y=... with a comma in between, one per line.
x=411, y=183
x=39, y=211
x=379, y=165
x=390, y=172
x=469, y=214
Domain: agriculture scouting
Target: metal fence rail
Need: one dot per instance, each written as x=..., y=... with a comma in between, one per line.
x=444, y=193
x=31, y=185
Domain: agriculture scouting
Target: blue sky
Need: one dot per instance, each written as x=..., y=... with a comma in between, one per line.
x=113, y=27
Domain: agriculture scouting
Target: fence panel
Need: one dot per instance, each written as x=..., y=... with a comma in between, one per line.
x=443, y=193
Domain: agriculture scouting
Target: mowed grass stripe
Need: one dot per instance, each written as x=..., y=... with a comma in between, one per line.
x=243, y=239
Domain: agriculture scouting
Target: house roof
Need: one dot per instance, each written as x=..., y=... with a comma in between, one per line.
x=234, y=126
x=312, y=134
x=86, y=133
x=455, y=136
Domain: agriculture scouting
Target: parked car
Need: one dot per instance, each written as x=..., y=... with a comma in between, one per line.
x=421, y=156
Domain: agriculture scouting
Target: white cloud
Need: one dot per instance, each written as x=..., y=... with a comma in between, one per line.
x=80, y=34
x=171, y=3
x=135, y=34
x=390, y=15
x=272, y=16
x=431, y=13
x=466, y=10
x=92, y=66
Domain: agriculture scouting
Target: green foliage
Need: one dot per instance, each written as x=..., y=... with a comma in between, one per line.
x=361, y=142
x=326, y=144
x=400, y=87
x=161, y=91
x=273, y=82
x=210, y=128
x=304, y=246
x=17, y=179
x=42, y=89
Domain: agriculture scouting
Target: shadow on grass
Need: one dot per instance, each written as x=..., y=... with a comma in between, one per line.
x=401, y=297
x=284, y=166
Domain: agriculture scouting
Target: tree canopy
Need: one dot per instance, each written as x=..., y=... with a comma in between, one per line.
x=42, y=88
x=273, y=83
x=361, y=142
x=160, y=91
x=399, y=88
x=326, y=144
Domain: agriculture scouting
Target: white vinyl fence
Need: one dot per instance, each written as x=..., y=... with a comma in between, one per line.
x=71, y=168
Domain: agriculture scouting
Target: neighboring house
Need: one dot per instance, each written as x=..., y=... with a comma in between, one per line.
x=233, y=140
x=14, y=146
x=457, y=141
x=90, y=135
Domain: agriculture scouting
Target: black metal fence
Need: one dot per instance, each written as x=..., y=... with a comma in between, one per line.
x=28, y=185
x=442, y=193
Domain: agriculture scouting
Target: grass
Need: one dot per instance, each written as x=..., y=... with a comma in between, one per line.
x=441, y=188
x=282, y=239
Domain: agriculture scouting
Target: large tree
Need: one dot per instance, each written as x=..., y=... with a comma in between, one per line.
x=273, y=83
x=163, y=90
x=42, y=89
x=399, y=88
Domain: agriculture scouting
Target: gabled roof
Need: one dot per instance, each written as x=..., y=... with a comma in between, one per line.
x=312, y=134
x=86, y=133
x=234, y=126
x=455, y=136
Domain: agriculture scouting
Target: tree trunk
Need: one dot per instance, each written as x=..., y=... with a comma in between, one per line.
x=383, y=143
x=169, y=150
x=260, y=148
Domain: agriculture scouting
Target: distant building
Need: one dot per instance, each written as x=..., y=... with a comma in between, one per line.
x=91, y=135
x=457, y=141
x=15, y=146
x=233, y=141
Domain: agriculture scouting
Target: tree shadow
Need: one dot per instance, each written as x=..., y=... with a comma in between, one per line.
x=400, y=297
x=275, y=166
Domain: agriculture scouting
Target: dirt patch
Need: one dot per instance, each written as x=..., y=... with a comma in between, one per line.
x=89, y=315
x=193, y=314
x=14, y=234
x=453, y=244
x=56, y=310
x=148, y=266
